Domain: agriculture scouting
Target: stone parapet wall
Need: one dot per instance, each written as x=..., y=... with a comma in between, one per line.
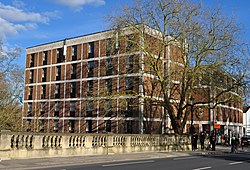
x=20, y=145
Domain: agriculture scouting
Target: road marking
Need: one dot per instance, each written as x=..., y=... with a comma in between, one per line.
x=234, y=163
x=192, y=157
x=207, y=167
x=128, y=163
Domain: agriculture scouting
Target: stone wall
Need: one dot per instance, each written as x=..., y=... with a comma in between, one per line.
x=19, y=145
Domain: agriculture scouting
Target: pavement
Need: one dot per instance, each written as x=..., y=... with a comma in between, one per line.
x=38, y=163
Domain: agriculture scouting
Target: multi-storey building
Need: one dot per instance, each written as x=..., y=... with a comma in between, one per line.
x=72, y=86
x=95, y=84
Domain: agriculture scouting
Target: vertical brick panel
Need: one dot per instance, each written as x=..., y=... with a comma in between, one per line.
x=84, y=69
x=96, y=67
x=78, y=70
x=103, y=48
x=28, y=57
x=36, y=60
x=85, y=50
x=115, y=65
x=68, y=71
x=40, y=59
x=69, y=56
x=79, y=50
x=122, y=65
x=96, y=49
x=84, y=89
x=95, y=90
x=102, y=67
x=54, y=56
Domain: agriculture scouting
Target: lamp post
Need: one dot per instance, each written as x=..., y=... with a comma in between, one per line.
x=192, y=128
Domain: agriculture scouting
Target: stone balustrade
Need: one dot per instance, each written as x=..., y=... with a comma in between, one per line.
x=18, y=145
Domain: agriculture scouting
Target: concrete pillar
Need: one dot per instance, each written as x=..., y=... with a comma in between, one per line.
x=38, y=141
x=88, y=141
x=5, y=139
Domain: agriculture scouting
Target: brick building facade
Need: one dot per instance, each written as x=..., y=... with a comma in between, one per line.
x=86, y=84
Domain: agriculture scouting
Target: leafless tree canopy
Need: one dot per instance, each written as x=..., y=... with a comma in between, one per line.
x=208, y=47
x=11, y=83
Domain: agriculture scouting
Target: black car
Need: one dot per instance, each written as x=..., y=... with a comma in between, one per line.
x=245, y=141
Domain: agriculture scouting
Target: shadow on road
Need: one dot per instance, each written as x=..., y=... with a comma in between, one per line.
x=236, y=157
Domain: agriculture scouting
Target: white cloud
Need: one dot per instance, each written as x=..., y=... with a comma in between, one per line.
x=14, y=20
x=77, y=4
x=14, y=14
x=18, y=4
x=8, y=28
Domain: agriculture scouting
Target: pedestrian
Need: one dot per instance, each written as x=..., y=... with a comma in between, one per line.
x=202, y=140
x=194, y=139
x=213, y=140
x=226, y=140
x=233, y=144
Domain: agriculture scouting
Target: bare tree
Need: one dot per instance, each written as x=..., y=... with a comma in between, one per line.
x=189, y=44
x=11, y=83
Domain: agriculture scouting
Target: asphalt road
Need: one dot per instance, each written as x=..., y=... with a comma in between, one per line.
x=220, y=161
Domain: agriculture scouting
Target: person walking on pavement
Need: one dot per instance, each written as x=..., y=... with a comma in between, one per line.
x=213, y=140
x=233, y=144
x=194, y=139
x=202, y=140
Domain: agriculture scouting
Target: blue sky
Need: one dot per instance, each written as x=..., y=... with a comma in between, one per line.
x=26, y=23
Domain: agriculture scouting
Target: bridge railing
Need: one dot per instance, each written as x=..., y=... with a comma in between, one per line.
x=32, y=145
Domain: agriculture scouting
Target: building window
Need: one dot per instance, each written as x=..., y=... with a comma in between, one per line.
x=129, y=83
x=90, y=108
x=73, y=89
x=71, y=126
x=128, y=108
x=109, y=67
x=90, y=87
x=74, y=52
x=32, y=58
x=57, y=106
x=45, y=57
x=31, y=76
x=28, y=125
x=108, y=125
x=129, y=43
x=91, y=50
x=109, y=86
x=60, y=57
x=89, y=126
x=30, y=93
x=42, y=106
x=56, y=125
x=108, y=109
x=128, y=126
x=41, y=125
x=57, y=91
x=57, y=109
x=29, y=107
x=43, y=92
x=73, y=71
x=129, y=64
x=90, y=105
x=108, y=46
x=91, y=65
x=44, y=74
x=72, y=106
x=58, y=72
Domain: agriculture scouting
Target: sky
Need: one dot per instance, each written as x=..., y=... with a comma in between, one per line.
x=26, y=23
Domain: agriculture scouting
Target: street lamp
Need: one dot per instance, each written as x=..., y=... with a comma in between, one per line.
x=192, y=128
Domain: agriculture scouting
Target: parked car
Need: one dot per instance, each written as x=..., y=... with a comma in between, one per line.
x=245, y=141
